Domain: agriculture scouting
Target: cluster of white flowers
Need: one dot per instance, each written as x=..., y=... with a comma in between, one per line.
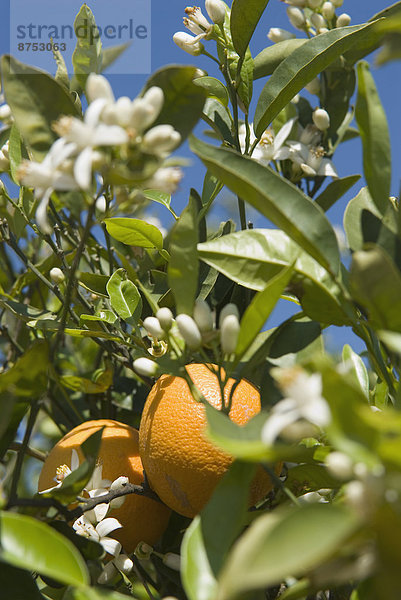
x=195, y=331
x=81, y=149
x=94, y=524
x=199, y=26
x=306, y=153
x=312, y=16
x=300, y=411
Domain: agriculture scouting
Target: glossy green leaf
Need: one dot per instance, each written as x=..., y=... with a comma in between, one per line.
x=336, y=190
x=161, y=198
x=124, y=297
x=61, y=75
x=391, y=49
x=245, y=15
x=30, y=544
x=134, y=232
x=269, y=59
x=245, y=87
x=92, y=593
x=219, y=119
x=183, y=267
x=196, y=573
x=18, y=584
x=110, y=54
x=104, y=316
x=373, y=129
x=223, y=517
x=300, y=67
x=15, y=151
x=275, y=198
x=260, y=309
x=214, y=87
x=285, y=543
x=356, y=367
x=183, y=100
x=253, y=257
x=82, y=384
x=25, y=312
x=338, y=86
x=375, y=283
x=36, y=100
x=27, y=378
x=94, y=282
x=87, y=56
x=353, y=218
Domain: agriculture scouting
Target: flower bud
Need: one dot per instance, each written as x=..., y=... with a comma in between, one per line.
x=145, y=366
x=296, y=17
x=276, y=34
x=343, y=20
x=155, y=97
x=97, y=86
x=328, y=10
x=161, y=139
x=5, y=112
x=313, y=4
x=153, y=327
x=188, y=43
x=321, y=119
x=101, y=204
x=143, y=551
x=57, y=275
x=228, y=309
x=165, y=179
x=229, y=332
x=189, y=331
x=173, y=561
x=165, y=318
x=339, y=465
x=317, y=21
x=300, y=3
x=123, y=563
x=337, y=3
x=203, y=316
x=216, y=10
x=313, y=87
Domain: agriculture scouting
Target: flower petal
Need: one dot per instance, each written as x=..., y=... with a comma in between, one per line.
x=83, y=168
x=107, y=525
x=111, y=546
x=109, y=135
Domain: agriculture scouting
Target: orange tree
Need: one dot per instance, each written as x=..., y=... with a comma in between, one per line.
x=108, y=328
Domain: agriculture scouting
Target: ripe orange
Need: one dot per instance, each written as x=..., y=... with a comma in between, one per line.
x=142, y=519
x=182, y=466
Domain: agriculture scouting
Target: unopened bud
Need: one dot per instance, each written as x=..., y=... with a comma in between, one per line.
x=173, y=561
x=145, y=366
x=57, y=275
x=97, y=86
x=321, y=119
x=228, y=309
x=203, y=316
x=313, y=4
x=313, y=87
x=343, y=20
x=339, y=465
x=216, y=10
x=153, y=327
x=296, y=17
x=123, y=563
x=276, y=34
x=189, y=331
x=161, y=139
x=337, y=3
x=165, y=318
x=328, y=10
x=300, y=3
x=5, y=112
x=155, y=97
x=317, y=21
x=229, y=332
x=101, y=204
x=188, y=43
x=143, y=551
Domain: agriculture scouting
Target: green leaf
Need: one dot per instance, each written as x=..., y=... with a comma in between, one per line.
x=275, y=198
x=253, y=257
x=62, y=72
x=161, y=198
x=110, y=55
x=338, y=89
x=92, y=593
x=18, y=584
x=27, y=378
x=82, y=384
x=94, y=282
x=335, y=190
x=196, y=573
x=223, y=517
x=269, y=59
x=285, y=544
x=183, y=267
x=245, y=15
x=375, y=283
x=124, y=297
x=105, y=316
x=183, y=100
x=356, y=207
x=87, y=56
x=219, y=118
x=391, y=49
x=36, y=100
x=30, y=544
x=214, y=87
x=300, y=67
x=260, y=309
x=357, y=367
x=134, y=232
x=15, y=151
x=373, y=129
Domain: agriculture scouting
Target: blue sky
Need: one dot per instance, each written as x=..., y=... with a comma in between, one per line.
x=166, y=19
